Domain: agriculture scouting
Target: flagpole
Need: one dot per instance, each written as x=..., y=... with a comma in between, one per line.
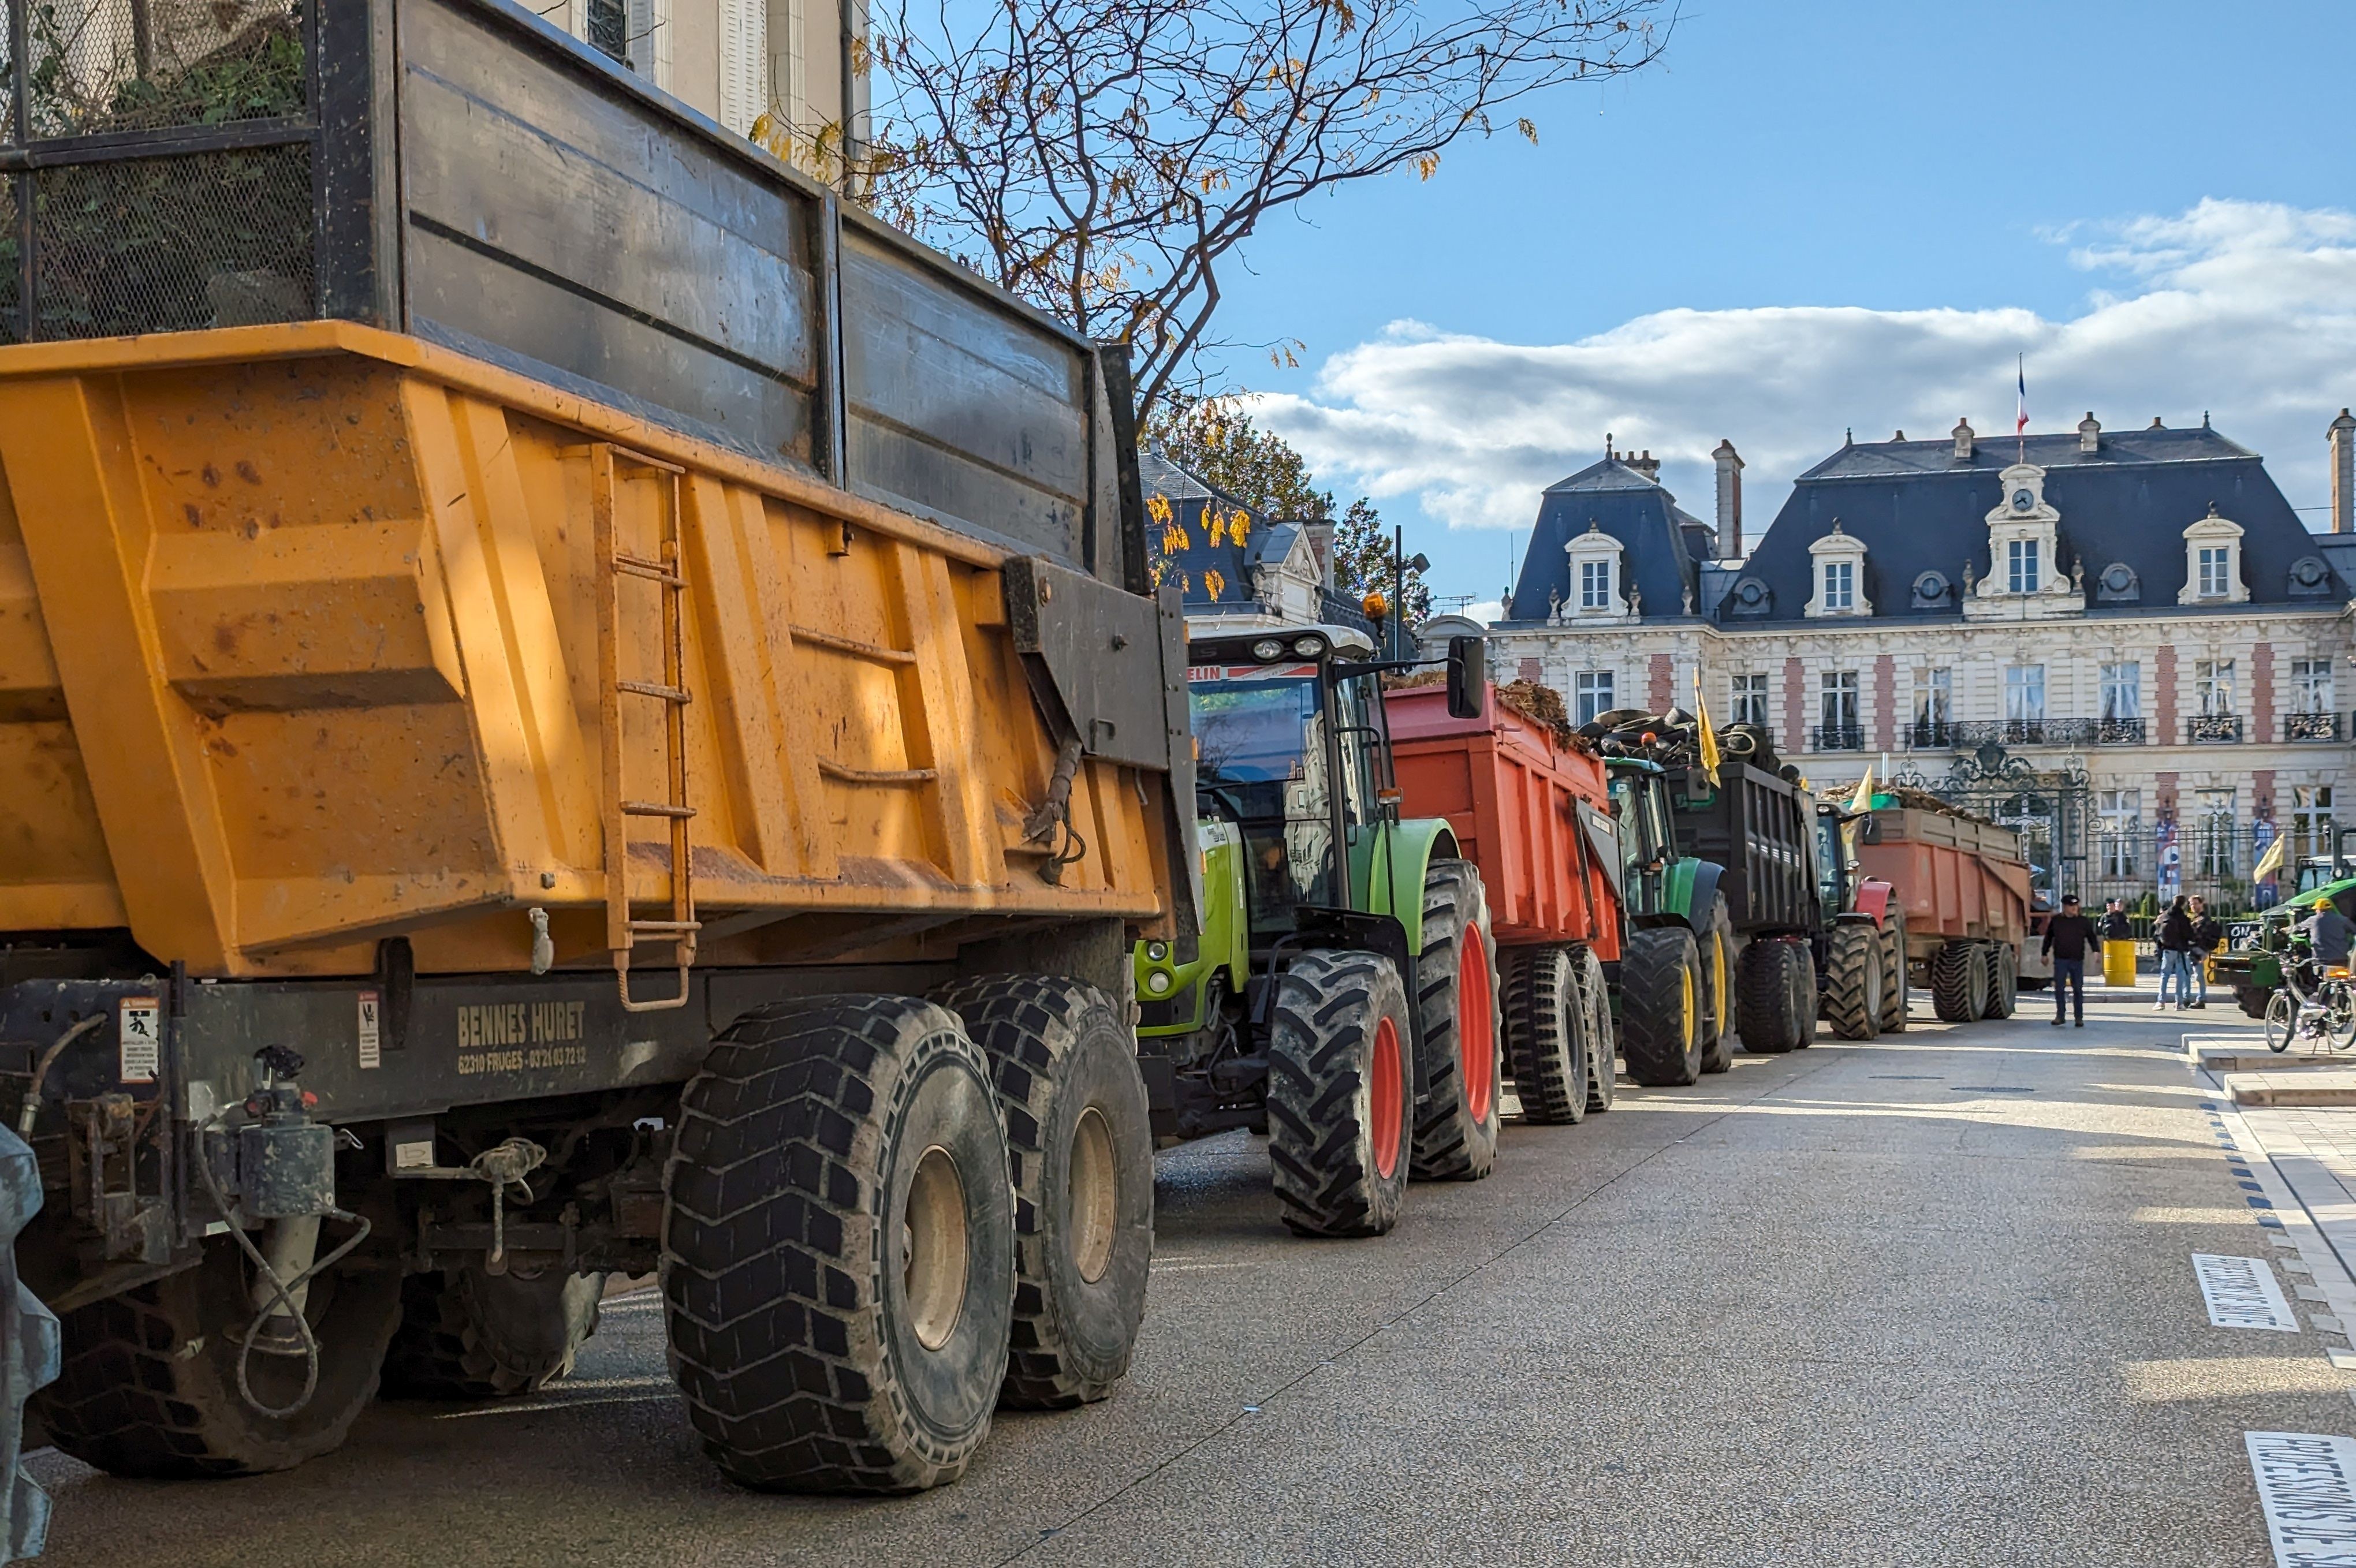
x=2020, y=412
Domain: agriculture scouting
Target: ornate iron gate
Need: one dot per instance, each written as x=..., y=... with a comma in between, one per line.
x=2051, y=807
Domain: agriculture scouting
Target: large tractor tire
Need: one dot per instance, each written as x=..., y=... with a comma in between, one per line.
x=1807, y=1003
x=1602, y=1031
x=1341, y=1080
x=838, y=1269
x=1456, y=1119
x=28, y=1355
x=1077, y=1127
x=1661, y=1006
x=1958, y=982
x=1547, y=1032
x=1894, y=987
x=2004, y=981
x=1768, y=995
x=1852, y=982
x=468, y=1334
x=149, y=1384
x=1715, y=937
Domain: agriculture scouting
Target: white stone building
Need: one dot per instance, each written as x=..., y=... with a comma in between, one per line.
x=2128, y=643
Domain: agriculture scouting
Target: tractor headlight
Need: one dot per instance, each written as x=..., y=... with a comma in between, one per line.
x=1159, y=982
x=1268, y=648
x=1309, y=647
x=1155, y=952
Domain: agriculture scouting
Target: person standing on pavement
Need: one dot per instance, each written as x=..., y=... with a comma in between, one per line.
x=2117, y=927
x=2067, y=937
x=2207, y=937
x=2174, y=936
x=2327, y=932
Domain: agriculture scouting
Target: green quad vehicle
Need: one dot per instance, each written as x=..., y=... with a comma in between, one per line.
x=1343, y=999
x=1670, y=1033
x=2253, y=964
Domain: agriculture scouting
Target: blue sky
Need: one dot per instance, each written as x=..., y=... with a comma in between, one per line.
x=1813, y=217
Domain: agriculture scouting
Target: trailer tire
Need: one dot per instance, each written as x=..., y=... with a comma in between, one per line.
x=1807, y=1002
x=2004, y=981
x=28, y=1354
x=1547, y=1032
x=1895, y=989
x=1717, y=940
x=1852, y=982
x=467, y=1334
x=838, y=1250
x=1079, y=1131
x=1341, y=1079
x=148, y=1388
x=1958, y=983
x=1767, y=997
x=1660, y=1007
x=1457, y=1116
x=1603, y=1029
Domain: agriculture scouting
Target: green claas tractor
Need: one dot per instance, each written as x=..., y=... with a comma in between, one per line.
x=1674, y=990
x=1345, y=996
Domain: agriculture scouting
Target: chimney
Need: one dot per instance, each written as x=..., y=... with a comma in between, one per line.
x=1320, y=546
x=1648, y=466
x=1963, y=434
x=1729, y=500
x=2090, y=434
x=2344, y=474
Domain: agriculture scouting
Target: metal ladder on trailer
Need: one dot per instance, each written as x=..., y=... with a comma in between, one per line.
x=624, y=933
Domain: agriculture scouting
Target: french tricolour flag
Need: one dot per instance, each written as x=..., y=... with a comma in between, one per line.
x=2021, y=409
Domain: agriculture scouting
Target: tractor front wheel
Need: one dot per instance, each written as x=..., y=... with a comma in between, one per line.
x=1661, y=1006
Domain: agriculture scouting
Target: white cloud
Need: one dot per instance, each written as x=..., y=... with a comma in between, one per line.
x=2243, y=308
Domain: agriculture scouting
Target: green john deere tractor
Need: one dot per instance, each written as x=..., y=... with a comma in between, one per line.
x=1674, y=988
x=1345, y=997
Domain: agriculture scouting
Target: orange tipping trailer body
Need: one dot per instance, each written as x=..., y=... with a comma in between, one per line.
x=1511, y=793
x=1956, y=877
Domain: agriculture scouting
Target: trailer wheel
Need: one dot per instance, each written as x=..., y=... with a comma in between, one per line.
x=1547, y=1032
x=467, y=1334
x=1080, y=1136
x=148, y=1388
x=1767, y=997
x=1806, y=1002
x=1602, y=1032
x=838, y=1267
x=1853, y=983
x=1958, y=983
x=1456, y=1120
x=1894, y=989
x=2003, y=981
x=28, y=1354
x=1661, y=1006
x=1341, y=1078
x=1716, y=939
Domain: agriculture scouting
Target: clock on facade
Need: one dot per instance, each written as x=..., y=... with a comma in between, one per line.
x=2022, y=500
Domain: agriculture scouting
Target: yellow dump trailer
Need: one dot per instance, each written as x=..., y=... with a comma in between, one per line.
x=569, y=704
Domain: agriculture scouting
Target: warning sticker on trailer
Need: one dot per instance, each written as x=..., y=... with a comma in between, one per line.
x=139, y=1027
x=371, y=1047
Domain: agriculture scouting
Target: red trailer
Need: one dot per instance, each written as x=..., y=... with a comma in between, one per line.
x=1965, y=889
x=1530, y=806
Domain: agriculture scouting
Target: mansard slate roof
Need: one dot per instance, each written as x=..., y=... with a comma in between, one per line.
x=1662, y=542
x=1918, y=508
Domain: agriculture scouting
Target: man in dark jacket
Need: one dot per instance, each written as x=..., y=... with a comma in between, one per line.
x=2207, y=937
x=2068, y=935
x=2116, y=926
x=2173, y=936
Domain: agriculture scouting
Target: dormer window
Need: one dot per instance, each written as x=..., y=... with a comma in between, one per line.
x=1599, y=585
x=1840, y=575
x=1840, y=585
x=1595, y=586
x=2212, y=562
x=2024, y=577
x=2020, y=565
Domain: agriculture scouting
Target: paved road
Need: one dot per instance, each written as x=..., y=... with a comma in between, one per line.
x=1921, y=1302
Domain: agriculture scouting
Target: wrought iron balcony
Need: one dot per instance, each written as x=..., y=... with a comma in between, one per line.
x=1836, y=738
x=1931, y=735
x=2213, y=728
x=1967, y=734
x=2310, y=726
x=2119, y=732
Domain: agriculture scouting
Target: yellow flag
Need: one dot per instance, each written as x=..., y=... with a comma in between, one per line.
x=2271, y=862
x=1863, y=799
x=1709, y=742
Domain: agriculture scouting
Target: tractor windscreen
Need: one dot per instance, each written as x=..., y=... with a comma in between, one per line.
x=1831, y=863
x=1261, y=731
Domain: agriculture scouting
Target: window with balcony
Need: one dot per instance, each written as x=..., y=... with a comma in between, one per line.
x=1836, y=712
x=1592, y=690
x=1935, y=707
x=2312, y=716
x=2214, y=718
x=1750, y=705
x=2122, y=715
x=2212, y=828
x=2310, y=825
x=2020, y=564
x=2024, y=704
x=2121, y=813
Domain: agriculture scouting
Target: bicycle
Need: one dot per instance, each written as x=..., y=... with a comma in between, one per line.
x=2325, y=1016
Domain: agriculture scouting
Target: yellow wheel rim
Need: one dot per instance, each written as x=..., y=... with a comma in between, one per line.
x=1692, y=1011
x=1718, y=978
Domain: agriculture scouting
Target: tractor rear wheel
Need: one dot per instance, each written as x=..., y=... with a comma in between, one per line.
x=1767, y=995
x=837, y=1266
x=1547, y=1032
x=1958, y=983
x=1341, y=1080
x=1661, y=1006
x=1717, y=940
x=2004, y=981
x=1893, y=974
x=1456, y=1119
x=1852, y=982
x=1081, y=1139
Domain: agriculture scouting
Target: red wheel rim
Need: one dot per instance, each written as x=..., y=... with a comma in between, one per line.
x=1387, y=1109
x=1475, y=1026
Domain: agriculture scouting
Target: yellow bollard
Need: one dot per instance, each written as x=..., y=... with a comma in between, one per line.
x=2118, y=964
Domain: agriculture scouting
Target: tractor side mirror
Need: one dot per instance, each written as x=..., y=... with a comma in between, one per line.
x=1468, y=674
